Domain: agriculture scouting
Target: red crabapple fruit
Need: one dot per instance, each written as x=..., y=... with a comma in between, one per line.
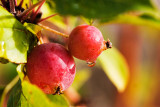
x=51, y=67
x=86, y=43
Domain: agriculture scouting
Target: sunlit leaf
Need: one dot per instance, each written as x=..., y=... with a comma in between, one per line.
x=15, y=39
x=115, y=67
x=60, y=100
x=81, y=77
x=33, y=27
x=34, y=97
x=20, y=69
x=31, y=96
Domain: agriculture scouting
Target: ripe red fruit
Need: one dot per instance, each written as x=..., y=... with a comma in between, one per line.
x=86, y=43
x=51, y=67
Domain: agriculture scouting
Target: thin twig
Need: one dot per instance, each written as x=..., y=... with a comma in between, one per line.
x=53, y=31
x=20, y=4
x=30, y=3
x=35, y=14
x=12, y=6
x=4, y=3
x=15, y=2
x=41, y=20
x=29, y=9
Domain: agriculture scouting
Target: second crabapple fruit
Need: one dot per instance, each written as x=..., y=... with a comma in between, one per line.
x=51, y=67
x=86, y=43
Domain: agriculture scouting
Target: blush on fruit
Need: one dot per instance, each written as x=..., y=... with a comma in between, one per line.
x=51, y=67
x=86, y=43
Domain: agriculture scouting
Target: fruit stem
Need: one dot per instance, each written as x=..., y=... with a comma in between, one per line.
x=53, y=31
x=39, y=37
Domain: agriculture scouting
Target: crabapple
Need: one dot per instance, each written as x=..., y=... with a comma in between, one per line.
x=86, y=43
x=51, y=67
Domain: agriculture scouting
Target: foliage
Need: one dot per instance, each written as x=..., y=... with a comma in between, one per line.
x=101, y=9
x=17, y=39
x=115, y=67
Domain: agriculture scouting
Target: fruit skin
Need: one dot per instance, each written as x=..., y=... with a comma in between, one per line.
x=51, y=67
x=86, y=43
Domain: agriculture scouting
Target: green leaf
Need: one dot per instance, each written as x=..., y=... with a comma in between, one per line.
x=15, y=39
x=33, y=28
x=7, y=73
x=80, y=78
x=32, y=96
x=147, y=17
x=60, y=100
x=20, y=69
x=101, y=9
x=27, y=95
x=15, y=94
x=115, y=67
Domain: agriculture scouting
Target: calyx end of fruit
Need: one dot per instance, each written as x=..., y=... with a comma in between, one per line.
x=58, y=90
x=91, y=64
x=108, y=44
